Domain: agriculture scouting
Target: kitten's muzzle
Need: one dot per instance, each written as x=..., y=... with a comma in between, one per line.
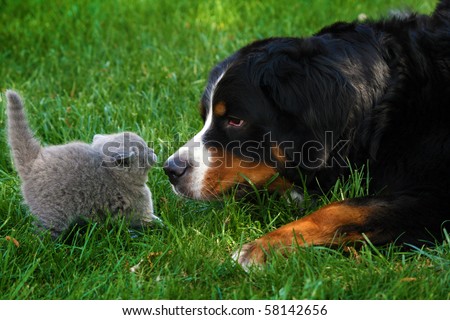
x=152, y=157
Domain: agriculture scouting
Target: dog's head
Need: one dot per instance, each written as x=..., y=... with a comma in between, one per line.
x=273, y=112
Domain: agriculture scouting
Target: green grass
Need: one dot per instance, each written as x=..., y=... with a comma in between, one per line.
x=93, y=66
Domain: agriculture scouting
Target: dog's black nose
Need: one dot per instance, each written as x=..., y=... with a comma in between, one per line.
x=175, y=167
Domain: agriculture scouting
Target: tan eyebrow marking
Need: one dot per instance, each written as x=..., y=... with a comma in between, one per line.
x=220, y=109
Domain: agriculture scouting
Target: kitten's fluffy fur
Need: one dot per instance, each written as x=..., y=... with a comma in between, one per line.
x=63, y=183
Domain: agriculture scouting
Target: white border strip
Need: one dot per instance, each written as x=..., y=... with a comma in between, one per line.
x=205, y=309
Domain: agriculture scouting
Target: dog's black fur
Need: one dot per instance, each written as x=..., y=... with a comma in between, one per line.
x=381, y=88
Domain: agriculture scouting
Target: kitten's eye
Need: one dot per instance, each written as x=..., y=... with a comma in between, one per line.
x=235, y=122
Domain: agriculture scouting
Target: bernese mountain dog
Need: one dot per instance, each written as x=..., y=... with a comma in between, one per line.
x=285, y=113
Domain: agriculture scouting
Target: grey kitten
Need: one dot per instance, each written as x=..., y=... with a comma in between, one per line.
x=64, y=183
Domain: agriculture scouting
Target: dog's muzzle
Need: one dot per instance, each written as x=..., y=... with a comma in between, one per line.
x=175, y=167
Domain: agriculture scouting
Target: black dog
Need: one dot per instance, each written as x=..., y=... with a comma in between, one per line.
x=294, y=111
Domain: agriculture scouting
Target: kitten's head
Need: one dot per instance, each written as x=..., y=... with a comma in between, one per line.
x=124, y=151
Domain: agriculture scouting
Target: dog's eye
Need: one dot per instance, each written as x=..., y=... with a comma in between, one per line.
x=235, y=122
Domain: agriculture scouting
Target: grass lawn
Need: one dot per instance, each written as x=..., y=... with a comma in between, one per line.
x=93, y=66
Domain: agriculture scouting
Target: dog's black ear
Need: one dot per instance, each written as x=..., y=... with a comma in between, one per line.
x=304, y=80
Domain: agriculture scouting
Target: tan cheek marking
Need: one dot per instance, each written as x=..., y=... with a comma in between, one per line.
x=278, y=154
x=228, y=170
x=220, y=109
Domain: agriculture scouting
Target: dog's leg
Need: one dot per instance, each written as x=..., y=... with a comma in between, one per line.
x=348, y=222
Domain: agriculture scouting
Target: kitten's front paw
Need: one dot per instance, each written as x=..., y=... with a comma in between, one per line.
x=151, y=219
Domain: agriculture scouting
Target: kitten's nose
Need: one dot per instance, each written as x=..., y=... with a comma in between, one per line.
x=174, y=168
x=152, y=157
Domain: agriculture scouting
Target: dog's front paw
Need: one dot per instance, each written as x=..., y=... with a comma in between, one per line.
x=250, y=255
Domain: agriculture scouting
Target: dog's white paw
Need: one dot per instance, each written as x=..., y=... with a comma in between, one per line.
x=249, y=256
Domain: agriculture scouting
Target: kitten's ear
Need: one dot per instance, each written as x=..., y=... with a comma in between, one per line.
x=124, y=158
x=97, y=136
